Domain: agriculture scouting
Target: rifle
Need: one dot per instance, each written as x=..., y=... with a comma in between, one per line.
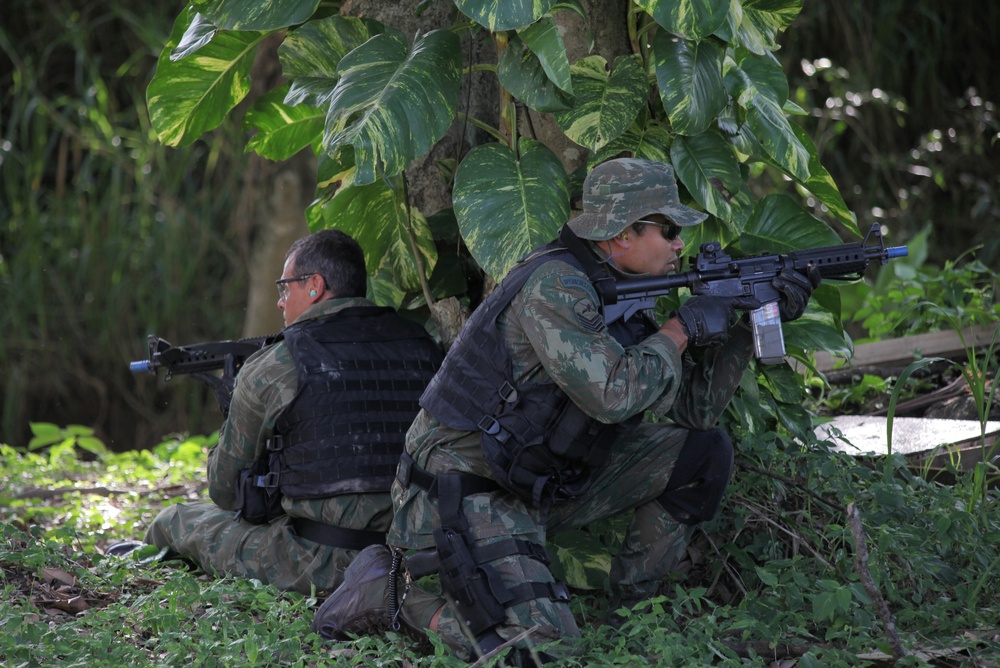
x=716, y=273
x=200, y=359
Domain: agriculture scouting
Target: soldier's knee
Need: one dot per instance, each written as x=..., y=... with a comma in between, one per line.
x=698, y=481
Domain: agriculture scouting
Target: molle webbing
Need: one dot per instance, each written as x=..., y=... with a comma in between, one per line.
x=361, y=372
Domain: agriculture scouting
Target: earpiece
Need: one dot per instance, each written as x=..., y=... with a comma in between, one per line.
x=312, y=293
x=624, y=236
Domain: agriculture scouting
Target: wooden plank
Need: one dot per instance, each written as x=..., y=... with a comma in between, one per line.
x=902, y=351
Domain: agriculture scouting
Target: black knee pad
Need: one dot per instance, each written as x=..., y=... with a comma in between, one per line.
x=699, y=478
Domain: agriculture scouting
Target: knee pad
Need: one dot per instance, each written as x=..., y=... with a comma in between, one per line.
x=699, y=478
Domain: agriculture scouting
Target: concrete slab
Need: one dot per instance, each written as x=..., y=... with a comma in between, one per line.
x=866, y=435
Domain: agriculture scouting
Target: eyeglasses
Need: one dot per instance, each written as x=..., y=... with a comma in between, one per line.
x=282, y=284
x=668, y=230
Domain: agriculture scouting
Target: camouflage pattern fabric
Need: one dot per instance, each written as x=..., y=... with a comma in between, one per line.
x=206, y=532
x=550, y=329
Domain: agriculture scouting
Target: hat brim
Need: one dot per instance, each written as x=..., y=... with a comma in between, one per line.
x=681, y=216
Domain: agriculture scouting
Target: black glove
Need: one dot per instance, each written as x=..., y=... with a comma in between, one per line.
x=795, y=288
x=706, y=319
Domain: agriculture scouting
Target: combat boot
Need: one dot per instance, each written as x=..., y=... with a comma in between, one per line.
x=361, y=604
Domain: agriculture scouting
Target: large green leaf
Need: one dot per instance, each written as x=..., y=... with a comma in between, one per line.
x=198, y=34
x=535, y=69
x=257, y=15
x=763, y=75
x=606, y=104
x=708, y=168
x=377, y=219
x=404, y=99
x=762, y=20
x=282, y=131
x=779, y=225
x=818, y=329
x=521, y=72
x=543, y=39
x=646, y=138
x=775, y=134
x=191, y=96
x=689, y=76
x=508, y=204
x=691, y=19
x=310, y=55
x=498, y=15
x=821, y=184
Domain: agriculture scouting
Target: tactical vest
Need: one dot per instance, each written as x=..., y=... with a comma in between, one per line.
x=539, y=444
x=360, y=375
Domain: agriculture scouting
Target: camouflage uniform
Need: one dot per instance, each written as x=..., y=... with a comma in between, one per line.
x=550, y=329
x=271, y=553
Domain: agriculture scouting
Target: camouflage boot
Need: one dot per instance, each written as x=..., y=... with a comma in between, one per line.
x=362, y=603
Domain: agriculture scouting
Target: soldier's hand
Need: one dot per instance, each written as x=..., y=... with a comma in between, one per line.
x=707, y=319
x=796, y=288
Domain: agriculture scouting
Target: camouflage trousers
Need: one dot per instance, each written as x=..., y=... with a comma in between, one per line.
x=637, y=472
x=272, y=553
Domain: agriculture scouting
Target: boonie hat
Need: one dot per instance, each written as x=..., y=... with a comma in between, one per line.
x=619, y=192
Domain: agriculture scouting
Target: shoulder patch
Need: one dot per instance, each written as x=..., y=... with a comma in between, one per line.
x=578, y=282
x=588, y=316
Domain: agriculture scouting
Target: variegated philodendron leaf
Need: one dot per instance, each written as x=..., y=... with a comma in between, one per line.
x=378, y=220
x=754, y=90
x=522, y=76
x=498, y=15
x=404, y=100
x=198, y=34
x=606, y=103
x=761, y=22
x=534, y=68
x=647, y=138
x=690, y=19
x=508, y=204
x=822, y=185
x=779, y=225
x=257, y=15
x=542, y=39
x=689, y=76
x=281, y=130
x=310, y=55
x=191, y=96
x=708, y=168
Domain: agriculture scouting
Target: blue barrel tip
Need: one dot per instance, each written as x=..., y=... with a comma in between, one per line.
x=897, y=251
x=141, y=365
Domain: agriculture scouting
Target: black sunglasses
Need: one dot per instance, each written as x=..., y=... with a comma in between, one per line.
x=668, y=230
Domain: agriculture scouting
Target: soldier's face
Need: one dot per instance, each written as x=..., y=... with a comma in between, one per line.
x=294, y=292
x=650, y=252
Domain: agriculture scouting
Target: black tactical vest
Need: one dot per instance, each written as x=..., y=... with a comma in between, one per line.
x=539, y=444
x=360, y=375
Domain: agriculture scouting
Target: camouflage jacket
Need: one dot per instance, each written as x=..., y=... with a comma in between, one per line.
x=264, y=387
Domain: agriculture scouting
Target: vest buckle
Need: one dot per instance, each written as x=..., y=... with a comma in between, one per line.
x=268, y=481
x=508, y=393
x=275, y=444
x=489, y=425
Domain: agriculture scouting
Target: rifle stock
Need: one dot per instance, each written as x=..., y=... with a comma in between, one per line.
x=716, y=273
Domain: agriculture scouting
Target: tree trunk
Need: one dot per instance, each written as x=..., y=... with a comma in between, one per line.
x=271, y=212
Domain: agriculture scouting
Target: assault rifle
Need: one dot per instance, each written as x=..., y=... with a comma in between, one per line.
x=200, y=359
x=715, y=273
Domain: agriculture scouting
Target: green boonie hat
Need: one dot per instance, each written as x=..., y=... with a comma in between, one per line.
x=619, y=192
